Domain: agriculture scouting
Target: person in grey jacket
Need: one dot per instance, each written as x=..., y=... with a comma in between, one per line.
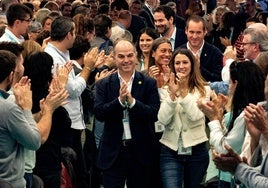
x=18, y=129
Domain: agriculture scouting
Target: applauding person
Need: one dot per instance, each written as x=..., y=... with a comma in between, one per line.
x=184, y=157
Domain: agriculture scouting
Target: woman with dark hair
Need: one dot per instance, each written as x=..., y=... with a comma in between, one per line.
x=184, y=156
x=143, y=47
x=246, y=86
x=38, y=67
x=159, y=58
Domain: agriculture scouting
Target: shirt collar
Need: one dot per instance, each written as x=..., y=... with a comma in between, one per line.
x=199, y=51
x=122, y=80
x=13, y=38
x=4, y=94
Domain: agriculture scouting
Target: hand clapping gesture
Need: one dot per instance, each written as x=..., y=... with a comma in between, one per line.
x=213, y=109
x=90, y=58
x=57, y=97
x=23, y=93
x=124, y=95
x=256, y=121
x=62, y=73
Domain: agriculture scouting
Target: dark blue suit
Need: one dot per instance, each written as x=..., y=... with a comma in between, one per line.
x=210, y=62
x=143, y=148
x=145, y=13
x=180, y=38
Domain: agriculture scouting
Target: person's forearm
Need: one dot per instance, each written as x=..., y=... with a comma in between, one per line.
x=85, y=73
x=44, y=125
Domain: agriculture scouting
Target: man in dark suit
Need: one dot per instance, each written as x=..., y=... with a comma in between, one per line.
x=164, y=18
x=147, y=13
x=127, y=102
x=209, y=56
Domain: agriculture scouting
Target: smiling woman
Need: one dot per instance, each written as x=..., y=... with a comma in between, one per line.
x=143, y=47
x=184, y=137
x=159, y=58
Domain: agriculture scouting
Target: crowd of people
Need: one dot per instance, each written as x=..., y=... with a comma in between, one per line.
x=133, y=93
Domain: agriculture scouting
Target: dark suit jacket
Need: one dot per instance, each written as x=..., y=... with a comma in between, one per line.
x=180, y=22
x=210, y=62
x=141, y=116
x=145, y=13
x=180, y=38
x=137, y=24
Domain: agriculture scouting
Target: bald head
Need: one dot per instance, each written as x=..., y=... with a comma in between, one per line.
x=125, y=57
x=123, y=43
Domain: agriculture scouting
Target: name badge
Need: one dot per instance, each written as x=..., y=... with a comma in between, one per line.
x=127, y=132
x=182, y=150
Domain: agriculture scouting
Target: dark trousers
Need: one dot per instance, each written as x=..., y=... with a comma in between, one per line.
x=127, y=169
x=29, y=179
x=76, y=145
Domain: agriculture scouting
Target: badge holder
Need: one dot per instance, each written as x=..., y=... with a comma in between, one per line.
x=126, y=127
x=182, y=150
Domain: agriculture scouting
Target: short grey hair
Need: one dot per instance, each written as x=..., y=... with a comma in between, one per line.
x=258, y=36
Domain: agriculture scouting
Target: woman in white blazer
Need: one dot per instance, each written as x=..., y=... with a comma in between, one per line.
x=184, y=156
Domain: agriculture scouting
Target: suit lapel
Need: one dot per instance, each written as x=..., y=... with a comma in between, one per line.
x=137, y=85
x=114, y=85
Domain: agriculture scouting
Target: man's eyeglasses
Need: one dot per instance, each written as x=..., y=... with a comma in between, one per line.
x=26, y=20
x=245, y=43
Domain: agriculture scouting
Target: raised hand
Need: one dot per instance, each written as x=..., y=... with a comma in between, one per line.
x=90, y=58
x=62, y=73
x=100, y=59
x=109, y=61
x=213, y=109
x=23, y=93
x=166, y=73
x=103, y=74
x=54, y=100
x=256, y=121
x=123, y=93
x=227, y=162
x=173, y=86
x=154, y=71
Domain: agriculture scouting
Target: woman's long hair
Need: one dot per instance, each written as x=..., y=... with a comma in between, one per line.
x=249, y=89
x=195, y=77
x=38, y=67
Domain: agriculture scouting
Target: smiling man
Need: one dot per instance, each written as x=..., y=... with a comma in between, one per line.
x=127, y=102
x=209, y=56
x=164, y=18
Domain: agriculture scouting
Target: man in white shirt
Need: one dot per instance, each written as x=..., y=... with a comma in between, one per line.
x=18, y=19
x=62, y=38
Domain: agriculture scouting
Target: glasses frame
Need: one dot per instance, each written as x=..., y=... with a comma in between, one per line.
x=245, y=43
x=27, y=20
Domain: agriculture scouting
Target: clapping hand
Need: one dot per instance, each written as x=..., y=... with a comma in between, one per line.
x=90, y=58
x=125, y=96
x=57, y=96
x=23, y=93
x=62, y=73
x=229, y=161
x=103, y=74
x=213, y=109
